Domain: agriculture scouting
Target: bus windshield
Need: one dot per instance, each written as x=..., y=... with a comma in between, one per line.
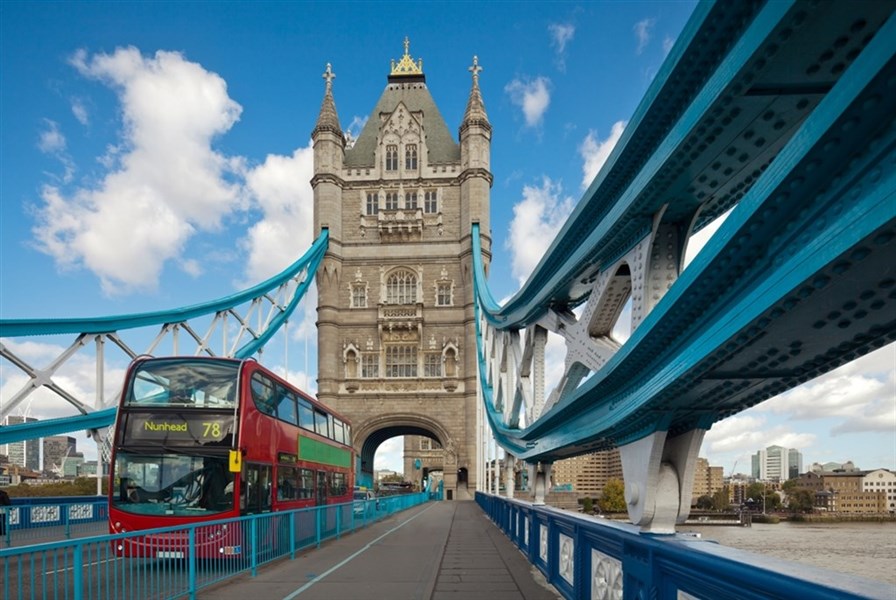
x=184, y=383
x=172, y=484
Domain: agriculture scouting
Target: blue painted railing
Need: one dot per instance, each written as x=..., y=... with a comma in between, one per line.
x=34, y=520
x=93, y=568
x=590, y=557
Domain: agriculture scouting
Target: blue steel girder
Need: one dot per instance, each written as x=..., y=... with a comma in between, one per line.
x=798, y=280
x=737, y=86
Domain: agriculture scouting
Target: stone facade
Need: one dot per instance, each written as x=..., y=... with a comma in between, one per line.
x=396, y=337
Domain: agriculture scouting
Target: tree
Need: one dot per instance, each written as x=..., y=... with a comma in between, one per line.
x=801, y=501
x=82, y=486
x=704, y=502
x=754, y=491
x=763, y=496
x=587, y=505
x=612, y=498
x=720, y=499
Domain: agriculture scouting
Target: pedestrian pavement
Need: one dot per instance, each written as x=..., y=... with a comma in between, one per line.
x=435, y=551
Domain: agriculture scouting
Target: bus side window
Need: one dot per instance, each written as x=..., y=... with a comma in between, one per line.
x=306, y=415
x=286, y=406
x=263, y=394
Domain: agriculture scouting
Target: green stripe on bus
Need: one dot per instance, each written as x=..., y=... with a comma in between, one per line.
x=316, y=451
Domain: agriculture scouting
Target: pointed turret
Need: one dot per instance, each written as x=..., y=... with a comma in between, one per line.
x=328, y=120
x=329, y=157
x=475, y=113
x=475, y=145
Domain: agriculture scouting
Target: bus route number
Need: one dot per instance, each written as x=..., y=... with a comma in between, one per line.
x=211, y=429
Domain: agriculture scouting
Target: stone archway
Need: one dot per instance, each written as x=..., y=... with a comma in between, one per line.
x=369, y=434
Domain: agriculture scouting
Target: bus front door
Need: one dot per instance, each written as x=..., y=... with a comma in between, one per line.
x=258, y=489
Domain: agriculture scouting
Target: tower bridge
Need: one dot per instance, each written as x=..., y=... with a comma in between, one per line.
x=781, y=115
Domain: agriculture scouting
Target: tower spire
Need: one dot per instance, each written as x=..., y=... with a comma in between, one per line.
x=328, y=119
x=475, y=112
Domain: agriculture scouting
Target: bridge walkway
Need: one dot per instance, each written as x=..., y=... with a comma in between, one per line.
x=437, y=551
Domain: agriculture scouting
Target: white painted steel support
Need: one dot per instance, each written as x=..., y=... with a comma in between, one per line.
x=496, y=470
x=509, y=470
x=659, y=479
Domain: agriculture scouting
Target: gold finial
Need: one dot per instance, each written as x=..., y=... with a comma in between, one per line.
x=329, y=75
x=475, y=70
x=407, y=66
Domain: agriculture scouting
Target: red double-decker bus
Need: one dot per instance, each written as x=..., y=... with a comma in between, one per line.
x=202, y=439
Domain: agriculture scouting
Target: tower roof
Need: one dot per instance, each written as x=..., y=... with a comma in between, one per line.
x=407, y=85
x=328, y=120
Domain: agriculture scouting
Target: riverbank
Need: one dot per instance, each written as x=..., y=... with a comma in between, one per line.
x=835, y=518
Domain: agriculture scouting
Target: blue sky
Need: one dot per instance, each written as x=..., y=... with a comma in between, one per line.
x=156, y=154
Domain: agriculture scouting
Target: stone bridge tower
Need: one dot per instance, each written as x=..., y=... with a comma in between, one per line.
x=396, y=336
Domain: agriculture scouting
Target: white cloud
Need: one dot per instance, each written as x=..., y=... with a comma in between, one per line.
x=845, y=414
x=643, y=31
x=51, y=139
x=354, y=129
x=595, y=152
x=533, y=96
x=390, y=455
x=748, y=433
x=561, y=34
x=281, y=187
x=80, y=111
x=536, y=220
x=668, y=42
x=165, y=181
x=861, y=396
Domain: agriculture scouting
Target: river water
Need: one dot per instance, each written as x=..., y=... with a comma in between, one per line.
x=863, y=549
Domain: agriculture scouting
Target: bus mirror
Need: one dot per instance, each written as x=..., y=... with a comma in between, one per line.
x=236, y=461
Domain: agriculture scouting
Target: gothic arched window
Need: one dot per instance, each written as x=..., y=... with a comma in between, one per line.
x=391, y=157
x=401, y=287
x=391, y=200
x=410, y=157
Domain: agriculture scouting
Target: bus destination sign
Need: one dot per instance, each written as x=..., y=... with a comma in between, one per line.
x=179, y=429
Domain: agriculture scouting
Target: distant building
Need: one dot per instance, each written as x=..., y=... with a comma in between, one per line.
x=833, y=467
x=26, y=453
x=71, y=467
x=88, y=469
x=381, y=474
x=846, y=492
x=588, y=473
x=422, y=457
x=707, y=480
x=57, y=449
x=777, y=463
x=882, y=480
